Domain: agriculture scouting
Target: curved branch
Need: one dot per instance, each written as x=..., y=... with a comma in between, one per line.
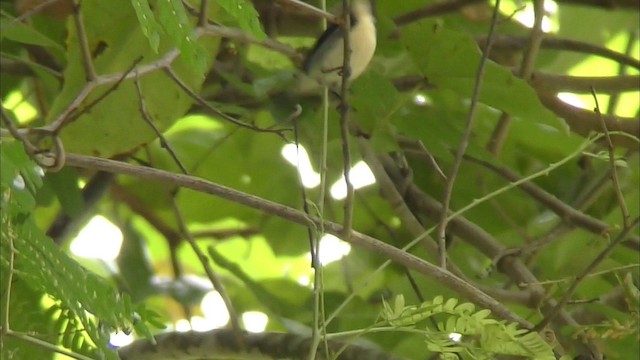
x=519, y=43
x=582, y=84
x=607, y=4
x=584, y=122
x=221, y=343
x=444, y=277
x=563, y=210
x=482, y=240
x=439, y=8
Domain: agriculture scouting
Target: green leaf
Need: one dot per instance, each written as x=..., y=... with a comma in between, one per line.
x=114, y=125
x=450, y=59
x=276, y=301
x=246, y=16
x=21, y=32
x=173, y=17
x=377, y=105
x=45, y=268
x=91, y=302
x=148, y=23
x=26, y=316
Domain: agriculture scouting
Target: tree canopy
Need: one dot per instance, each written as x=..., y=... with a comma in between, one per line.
x=160, y=174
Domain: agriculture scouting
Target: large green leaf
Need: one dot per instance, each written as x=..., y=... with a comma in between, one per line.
x=451, y=59
x=115, y=124
x=245, y=14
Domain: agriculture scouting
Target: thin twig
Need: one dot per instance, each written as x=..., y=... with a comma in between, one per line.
x=312, y=10
x=12, y=254
x=393, y=187
x=172, y=238
x=211, y=274
x=583, y=275
x=8, y=122
x=612, y=164
x=432, y=10
x=535, y=39
x=593, y=274
x=319, y=317
x=446, y=202
x=500, y=132
x=358, y=239
x=543, y=172
x=45, y=345
x=83, y=42
x=311, y=232
x=564, y=211
x=50, y=160
x=345, y=112
x=71, y=112
x=163, y=141
x=223, y=234
x=202, y=17
x=211, y=108
x=242, y=36
x=36, y=9
x=431, y=160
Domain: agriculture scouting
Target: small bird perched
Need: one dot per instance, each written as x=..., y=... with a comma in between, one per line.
x=325, y=60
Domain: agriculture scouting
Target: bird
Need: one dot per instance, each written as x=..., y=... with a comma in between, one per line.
x=323, y=64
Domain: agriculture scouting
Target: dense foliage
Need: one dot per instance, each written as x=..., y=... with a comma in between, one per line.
x=171, y=120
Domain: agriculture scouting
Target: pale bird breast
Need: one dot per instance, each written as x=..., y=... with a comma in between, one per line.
x=363, y=46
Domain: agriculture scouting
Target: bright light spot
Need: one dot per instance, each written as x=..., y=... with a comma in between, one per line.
x=18, y=182
x=38, y=170
x=198, y=323
x=183, y=325
x=120, y=339
x=421, y=100
x=298, y=157
x=546, y=217
x=245, y=179
x=304, y=280
x=255, y=321
x=455, y=337
x=571, y=99
x=551, y=7
x=332, y=249
x=99, y=239
x=526, y=16
x=21, y=108
x=214, y=310
x=360, y=175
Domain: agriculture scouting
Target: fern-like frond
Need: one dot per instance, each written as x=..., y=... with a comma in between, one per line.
x=87, y=306
x=479, y=335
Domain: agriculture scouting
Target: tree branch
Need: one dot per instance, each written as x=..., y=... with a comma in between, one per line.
x=552, y=83
x=584, y=122
x=442, y=276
